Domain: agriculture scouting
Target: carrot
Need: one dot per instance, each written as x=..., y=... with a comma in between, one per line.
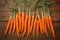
x=30, y=28
x=45, y=25
x=51, y=27
x=32, y=24
x=7, y=27
x=37, y=28
x=29, y=25
x=48, y=25
x=40, y=23
x=23, y=20
x=37, y=23
x=40, y=26
x=20, y=21
x=16, y=26
x=11, y=26
x=34, y=28
x=25, y=26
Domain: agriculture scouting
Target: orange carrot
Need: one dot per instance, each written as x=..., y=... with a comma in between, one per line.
x=34, y=28
x=40, y=22
x=32, y=24
x=23, y=21
x=29, y=25
x=7, y=27
x=25, y=26
x=51, y=27
x=16, y=26
x=11, y=26
x=20, y=21
x=37, y=28
x=30, y=28
x=45, y=25
x=48, y=25
x=39, y=18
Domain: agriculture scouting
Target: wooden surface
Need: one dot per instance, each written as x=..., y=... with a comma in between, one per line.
x=55, y=14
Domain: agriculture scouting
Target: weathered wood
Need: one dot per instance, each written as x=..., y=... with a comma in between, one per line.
x=4, y=16
x=55, y=7
x=55, y=16
x=55, y=1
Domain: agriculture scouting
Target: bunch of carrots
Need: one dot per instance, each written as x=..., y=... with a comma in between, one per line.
x=28, y=24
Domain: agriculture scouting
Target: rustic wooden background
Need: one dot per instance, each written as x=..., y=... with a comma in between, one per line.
x=55, y=14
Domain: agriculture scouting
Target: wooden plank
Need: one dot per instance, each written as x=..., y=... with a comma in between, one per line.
x=4, y=16
x=55, y=8
x=55, y=1
x=55, y=16
x=52, y=1
x=3, y=1
x=3, y=7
